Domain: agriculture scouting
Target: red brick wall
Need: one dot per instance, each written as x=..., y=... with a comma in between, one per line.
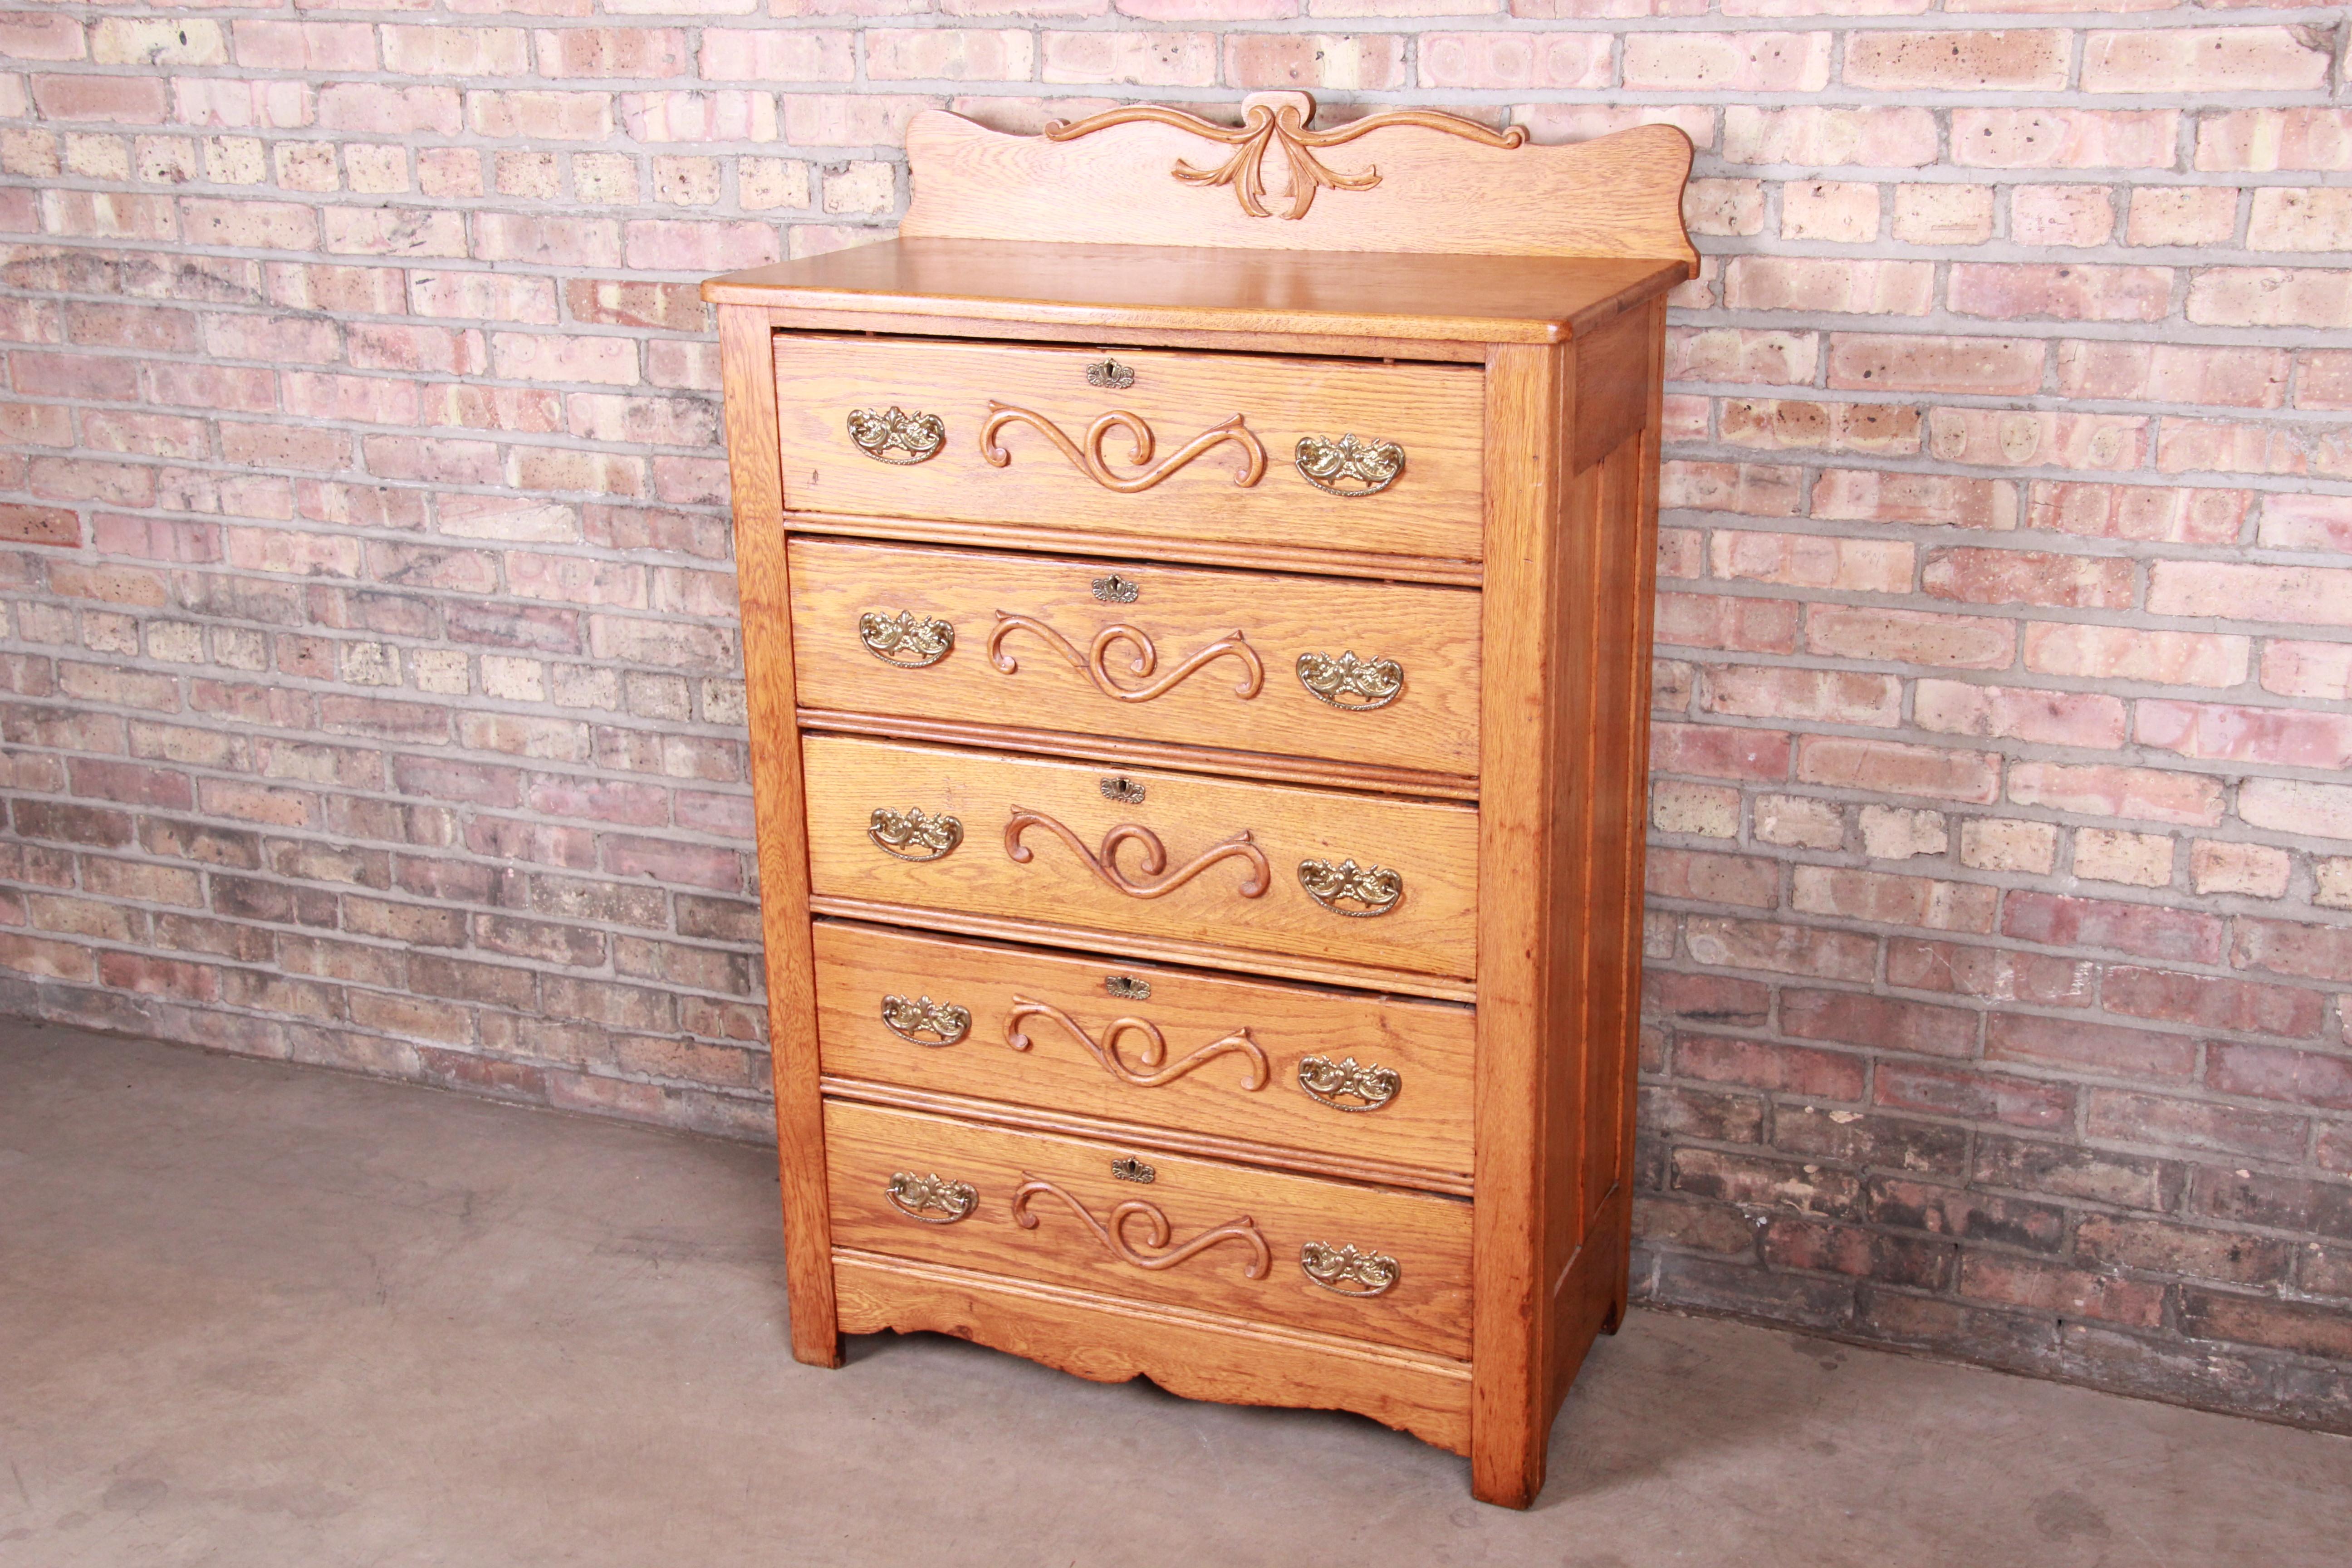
x=372, y=692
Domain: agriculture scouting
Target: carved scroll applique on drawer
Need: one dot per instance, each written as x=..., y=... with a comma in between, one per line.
x=1105, y=863
x=1351, y=685
x=918, y=1198
x=1086, y=455
x=906, y=640
x=1375, y=891
x=944, y=1022
x=1347, y=1272
x=1096, y=662
x=1156, y=1235
x=1335, y=1083
x=911, y=836
x=918, y=435
x=1349, y=467
x=1151, y=1052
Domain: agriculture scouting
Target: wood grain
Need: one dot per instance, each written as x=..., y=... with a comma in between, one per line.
x=1619, y=196
x=1431, y=632
x=1196, y=1355
x=1186, y=551
x=1429, y=1237
x=1427, y=1125
x=1364, y=303
x=1433, y=846
x=1116, y=754
x=764, y=586
x=1431, y=410
x=1144, y=948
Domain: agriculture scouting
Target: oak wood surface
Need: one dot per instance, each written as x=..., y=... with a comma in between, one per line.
x=1086, y=327
x=1195, y=1356
x=1524, y=916
x=1433, y=846
x=1430, y=410
x=1233, y=1094
x=1187, y=551
x=1250, y=697
x=1144, y=948
x=1176, y=1140
x=1117, y=754
x=1435, y=190
x=1429, y=1236
x=761, y=575
x=1121, y=291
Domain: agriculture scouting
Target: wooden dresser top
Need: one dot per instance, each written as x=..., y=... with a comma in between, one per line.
x=1401, y=226
x=1386, y=294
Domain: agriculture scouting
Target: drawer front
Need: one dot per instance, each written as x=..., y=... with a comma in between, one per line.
x=1215, y=446
x=1344, y=1074
x=1263, y=868
x=1394, y=1267
x=1375, y=673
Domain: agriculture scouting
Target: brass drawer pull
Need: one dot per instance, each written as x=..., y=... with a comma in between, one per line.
x=918, y=435
x=1095, y=661
x=944, y=1021
x=1105, y=864
x=1372, y=682
x=1377, y=888
x=907, y=640
x=1153, y=1052
x=914, y=837
x=1156, y=1233
x=1109, y=373
x=916, y=1196
x=1373, y=465
x=1087, y=458
x=1348, y=1272
x=1324, y=1080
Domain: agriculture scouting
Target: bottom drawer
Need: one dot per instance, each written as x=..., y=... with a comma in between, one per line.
x=1370, y=1263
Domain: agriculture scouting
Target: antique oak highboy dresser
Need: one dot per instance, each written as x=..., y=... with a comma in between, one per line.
x=1196, y=596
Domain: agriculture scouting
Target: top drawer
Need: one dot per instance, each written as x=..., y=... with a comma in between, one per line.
x=1235, y=448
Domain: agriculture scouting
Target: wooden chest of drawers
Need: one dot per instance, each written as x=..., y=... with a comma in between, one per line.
x=1197, y=622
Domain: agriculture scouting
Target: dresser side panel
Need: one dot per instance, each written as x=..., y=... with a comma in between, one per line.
x=1523, y=639
x=755, y=474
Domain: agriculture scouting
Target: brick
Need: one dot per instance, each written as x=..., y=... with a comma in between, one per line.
x=1879, y=1022
x=2128, y=1116
x=2202, y=59
x=1899, y=362
x=1851, y=495
x=2144, y=930
x=2104, y=790
x=1891, y=138
x=2052, y=138
x=2020, y=713
x=1780, y=949
x=1716, y=62
x=2294, y=668
x=2217, y=865
x=1725, y=353
x=2212, y=730
x=2022, y=60
x=2260, y=1321
x=1890, y=767
x=1765, y=1184
x=1975, y=1094
x=1910, y=636
x=1799, y=821
x=2270, y=296
x=1850, y=286
x=1787, y=694
x=2159, y=514
x=1774, y=1068
x=2070, y=1292
x=2067, y=293
x=1989, y=974
x=2116, y=652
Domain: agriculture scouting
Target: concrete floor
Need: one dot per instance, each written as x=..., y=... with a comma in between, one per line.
x=255, y=1315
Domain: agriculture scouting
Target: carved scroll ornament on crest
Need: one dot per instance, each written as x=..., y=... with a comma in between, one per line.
x=1268, y=126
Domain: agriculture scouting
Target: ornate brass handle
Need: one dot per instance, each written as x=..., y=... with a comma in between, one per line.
x=1095, y=661
x=1376, y=888
x=1345, y=1270
x=1372, y=682
x=1156, y=1235
x=915, y=1196
x=1327, y=464
x=918, y=435
x=1105, y=863
x=909, y=640
x=1325, y=1080
x=1088, y=458
x=1154, y=1051
x=913, y=837
x=944, y=1021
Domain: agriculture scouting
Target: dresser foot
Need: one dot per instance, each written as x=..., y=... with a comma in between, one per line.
x=1506, y=1480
